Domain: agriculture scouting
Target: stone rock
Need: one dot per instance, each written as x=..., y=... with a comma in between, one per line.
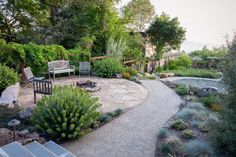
x=163, y=75
x=27, y=113
x=171, y=74
x=3, y=153
x=6, y=136
x=33, y=136
x=25, y=141
x=10, y=95
x=23, y=133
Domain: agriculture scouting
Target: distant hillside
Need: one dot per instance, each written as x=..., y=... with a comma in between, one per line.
x=189, y=46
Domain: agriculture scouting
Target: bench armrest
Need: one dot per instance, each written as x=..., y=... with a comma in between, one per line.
x=72, y=67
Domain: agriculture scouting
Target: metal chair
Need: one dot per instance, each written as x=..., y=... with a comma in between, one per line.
x=84, y=68
x=42, y=87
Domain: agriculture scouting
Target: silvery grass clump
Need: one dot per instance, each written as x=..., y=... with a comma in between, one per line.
x=197, y=148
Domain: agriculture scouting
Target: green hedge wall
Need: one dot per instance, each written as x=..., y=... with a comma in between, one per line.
x=37, y=56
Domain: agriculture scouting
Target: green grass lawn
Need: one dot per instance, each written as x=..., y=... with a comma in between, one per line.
x=205, y=73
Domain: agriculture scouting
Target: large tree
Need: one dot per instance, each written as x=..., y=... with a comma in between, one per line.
x=224, y=131
x=165, y=33
x=138, y=13
x=17, y=17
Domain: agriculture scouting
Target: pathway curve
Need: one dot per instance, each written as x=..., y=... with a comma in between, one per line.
x=134, y=133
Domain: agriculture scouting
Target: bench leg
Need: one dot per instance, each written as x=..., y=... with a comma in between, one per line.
x=53, y=76
x=69, y=73
x=34, y=98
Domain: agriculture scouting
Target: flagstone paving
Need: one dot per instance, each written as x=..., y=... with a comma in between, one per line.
x=134, y=133
x=114, y=93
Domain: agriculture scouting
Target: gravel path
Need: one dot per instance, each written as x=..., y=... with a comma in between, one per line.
x=134, y=133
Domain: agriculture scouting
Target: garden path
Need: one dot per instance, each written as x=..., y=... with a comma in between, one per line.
x=134, y=133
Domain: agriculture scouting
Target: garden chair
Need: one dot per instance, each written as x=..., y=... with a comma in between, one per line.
x=30, y=76
x=42, y=87
x=84, y=68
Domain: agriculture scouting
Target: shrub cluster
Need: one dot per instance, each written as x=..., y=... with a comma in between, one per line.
x=108, y=67
x=7, y=77
x=182, y=89
x=67, y=113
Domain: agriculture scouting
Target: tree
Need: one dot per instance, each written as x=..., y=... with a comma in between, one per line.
x=17, y=17
x=165, y=34
x=224, y=131
x=138, y=13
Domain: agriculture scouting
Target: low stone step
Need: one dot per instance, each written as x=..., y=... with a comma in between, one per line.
x=58, y=150
x=39, y=150
x=3, y=153
x=15, y=149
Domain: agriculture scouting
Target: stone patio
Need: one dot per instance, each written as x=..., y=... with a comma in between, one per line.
x=114, y=93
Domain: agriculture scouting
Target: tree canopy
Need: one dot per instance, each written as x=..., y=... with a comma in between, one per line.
x=138, y=14
x=165, y=33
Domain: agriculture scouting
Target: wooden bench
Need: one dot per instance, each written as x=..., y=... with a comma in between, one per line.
x=59, y=67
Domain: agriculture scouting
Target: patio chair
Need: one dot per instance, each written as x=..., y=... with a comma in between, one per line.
x=30, y=76
x=84, y=68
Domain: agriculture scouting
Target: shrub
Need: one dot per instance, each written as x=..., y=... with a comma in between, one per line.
x=186, y=114
x=166, y=148
x=108, y=67
x=178, y=125
x=182, y=89
x=188, y=134
x=203, y=127
x=150, y=76
x=7, y=114
x=183, y=61
x=67, y=113
x=131, y=71
x=194, y=123
x=209, y=100
x=216, y=107
x=163, y=133
x=197, y=148
x=196, y=106
x=205, y=73
x=8, y=77
x=126, y=75
x=105, y=118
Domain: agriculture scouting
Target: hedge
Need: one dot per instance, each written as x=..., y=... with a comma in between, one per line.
x=37, y=56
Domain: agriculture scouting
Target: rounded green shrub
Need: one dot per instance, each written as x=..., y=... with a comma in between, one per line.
x=166, y=148
x=196, y=148
x=209, y=100
x=188, y=134
x=108, y=67
x=178, y=125
x=131, y=71
x=8, y=77
x=67, y=113
x=182, y=89
x=163, y=133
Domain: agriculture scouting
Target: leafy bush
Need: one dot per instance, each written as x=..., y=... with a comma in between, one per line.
x=182, y=89
x=209, y=100
x=166, y=148
x=204, y=73
x=178, y=125
x=131, y=71
x=186, y=114
x=163, y=133
x=126, y=75
x=188, y=134
x=7, y=114
x=77, y=55
x=67, y=113
x=197, y=148
x=108, y=67
x=183, y=61
x=8, y=77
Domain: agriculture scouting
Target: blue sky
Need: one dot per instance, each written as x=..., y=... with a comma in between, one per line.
x=206, y=21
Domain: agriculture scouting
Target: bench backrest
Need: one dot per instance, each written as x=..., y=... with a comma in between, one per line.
x=42, y=87
x=84, y=66
x=59, y=64
x=28, y=74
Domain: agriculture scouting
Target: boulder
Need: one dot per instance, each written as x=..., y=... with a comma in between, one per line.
x=6, y=136
x=27, y=113
x=33, y=136
x=163, y=75
x=9, y=95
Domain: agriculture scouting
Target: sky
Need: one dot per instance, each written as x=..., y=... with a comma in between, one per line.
x=206, y=21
